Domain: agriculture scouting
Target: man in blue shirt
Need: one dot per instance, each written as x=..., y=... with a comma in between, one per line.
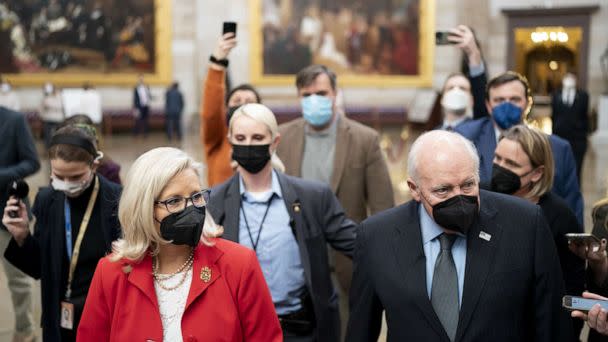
x=456, y=263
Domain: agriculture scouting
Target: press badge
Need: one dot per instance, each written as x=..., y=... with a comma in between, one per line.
x=67, y=315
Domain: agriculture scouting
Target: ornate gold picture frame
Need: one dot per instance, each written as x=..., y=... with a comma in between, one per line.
x=372, y=43
x=87, y=41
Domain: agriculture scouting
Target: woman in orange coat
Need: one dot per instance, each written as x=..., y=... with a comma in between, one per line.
x=215, y=113
x=161, y=283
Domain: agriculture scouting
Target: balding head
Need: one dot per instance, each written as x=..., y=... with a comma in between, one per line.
x=441, y=165
x=438, y=147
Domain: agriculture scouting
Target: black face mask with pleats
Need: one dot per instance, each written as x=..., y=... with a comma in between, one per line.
x=252, y=158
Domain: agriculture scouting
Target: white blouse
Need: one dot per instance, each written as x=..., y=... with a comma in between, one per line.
x=171, y=305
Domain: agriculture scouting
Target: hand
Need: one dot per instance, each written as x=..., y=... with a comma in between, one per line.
x=224, y=45
x=465, y=40
x=597, y=317
x=18, y=226
x=595, y=253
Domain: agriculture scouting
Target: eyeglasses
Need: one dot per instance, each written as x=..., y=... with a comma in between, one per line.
x=179, y=203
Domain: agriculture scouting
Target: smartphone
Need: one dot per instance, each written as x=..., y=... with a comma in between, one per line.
x=583, y=238
x=229, y=27
x=441, y=38
x=582, y=304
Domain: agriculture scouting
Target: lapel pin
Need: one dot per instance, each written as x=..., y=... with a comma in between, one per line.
x=206, y=274
x=296, y=207
x=127, y=268
x=485, y=236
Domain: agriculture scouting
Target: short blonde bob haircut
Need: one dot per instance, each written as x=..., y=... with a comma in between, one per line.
x=537, y=147
x=147, y=178
x=262, y=114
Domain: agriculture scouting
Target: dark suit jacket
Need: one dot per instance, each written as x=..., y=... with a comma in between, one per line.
x=512, y=287
x=42, y=253
x=600, y=229
x=317, y=218
x=18, y=156
x=570, y=122
x=565, y=185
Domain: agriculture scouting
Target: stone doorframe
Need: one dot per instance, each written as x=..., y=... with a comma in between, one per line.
x=558, y=16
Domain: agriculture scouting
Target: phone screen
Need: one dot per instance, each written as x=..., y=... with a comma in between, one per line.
x=583, y=304
x=229, y=27
x=441, y=38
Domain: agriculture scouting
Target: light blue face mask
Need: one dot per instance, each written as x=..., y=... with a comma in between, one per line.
x=506, y=115
x=316, y=109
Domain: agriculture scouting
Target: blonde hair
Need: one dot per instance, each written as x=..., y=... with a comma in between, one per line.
x=537, y=147
x=147, y=178
x=262, y=114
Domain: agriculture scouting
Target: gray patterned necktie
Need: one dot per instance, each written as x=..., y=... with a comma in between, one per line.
x=444, y=290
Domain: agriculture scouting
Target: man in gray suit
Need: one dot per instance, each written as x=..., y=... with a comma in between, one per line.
x=18, y=159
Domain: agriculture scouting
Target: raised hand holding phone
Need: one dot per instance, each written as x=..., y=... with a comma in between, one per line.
x=225, y=44
x=17, y=226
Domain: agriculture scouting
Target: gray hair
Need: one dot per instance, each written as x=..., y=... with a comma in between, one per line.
x=307, y=76
x=442, y=136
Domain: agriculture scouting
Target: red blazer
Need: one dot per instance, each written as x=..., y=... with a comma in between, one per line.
x=228, y=300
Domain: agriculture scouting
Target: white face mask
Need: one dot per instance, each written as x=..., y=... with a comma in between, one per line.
x=455, y=100
x=569, y=82
x=71, y=189
x=48, y=88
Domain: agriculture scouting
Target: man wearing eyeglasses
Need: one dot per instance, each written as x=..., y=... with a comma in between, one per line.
x=509, y=100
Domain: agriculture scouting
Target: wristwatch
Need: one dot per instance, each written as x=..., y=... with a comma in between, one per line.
x=223, y=62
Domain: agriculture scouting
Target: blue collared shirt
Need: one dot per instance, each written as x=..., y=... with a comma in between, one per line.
x=430, y=243
x=277, y=249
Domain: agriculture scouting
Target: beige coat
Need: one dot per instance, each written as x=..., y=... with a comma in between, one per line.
x=359, y=179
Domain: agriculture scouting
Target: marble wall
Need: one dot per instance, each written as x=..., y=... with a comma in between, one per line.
x=197, y=24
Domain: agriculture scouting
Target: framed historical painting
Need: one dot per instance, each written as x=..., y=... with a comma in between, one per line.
x=367, y=42
x=72, y=42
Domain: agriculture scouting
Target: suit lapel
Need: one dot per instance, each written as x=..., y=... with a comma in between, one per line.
x=295, y=149
x=487, y=146
x=140, y=276
x=232, y=206
x=340, y=153
x=480, y=258
x=204, y=271
x=294, y=208
x=407, y=242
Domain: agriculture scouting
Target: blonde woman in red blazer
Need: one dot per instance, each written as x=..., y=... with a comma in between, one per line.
x=162, y=283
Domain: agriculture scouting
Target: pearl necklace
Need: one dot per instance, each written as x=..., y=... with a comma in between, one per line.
x=159, y=278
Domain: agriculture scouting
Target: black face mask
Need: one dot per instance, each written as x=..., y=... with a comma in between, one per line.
x=252, y=158
x=506, y=181
x=456, y=213
x=185, y=227
x=229, y=114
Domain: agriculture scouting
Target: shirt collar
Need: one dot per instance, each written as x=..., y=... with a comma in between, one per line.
x=454, y=123
x=275, y=188
x=430, y=229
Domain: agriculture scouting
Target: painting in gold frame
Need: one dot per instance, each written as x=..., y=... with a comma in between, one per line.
x=72, y=42
x=381, y=43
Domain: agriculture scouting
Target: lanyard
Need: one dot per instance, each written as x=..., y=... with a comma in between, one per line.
x=73, y=256
x=257, y=240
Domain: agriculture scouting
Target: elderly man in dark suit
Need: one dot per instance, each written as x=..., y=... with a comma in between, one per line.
x=18, y=159
x=326, y=146
x=456, y=263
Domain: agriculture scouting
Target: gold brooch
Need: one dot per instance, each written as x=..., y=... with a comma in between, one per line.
x=205, y=274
